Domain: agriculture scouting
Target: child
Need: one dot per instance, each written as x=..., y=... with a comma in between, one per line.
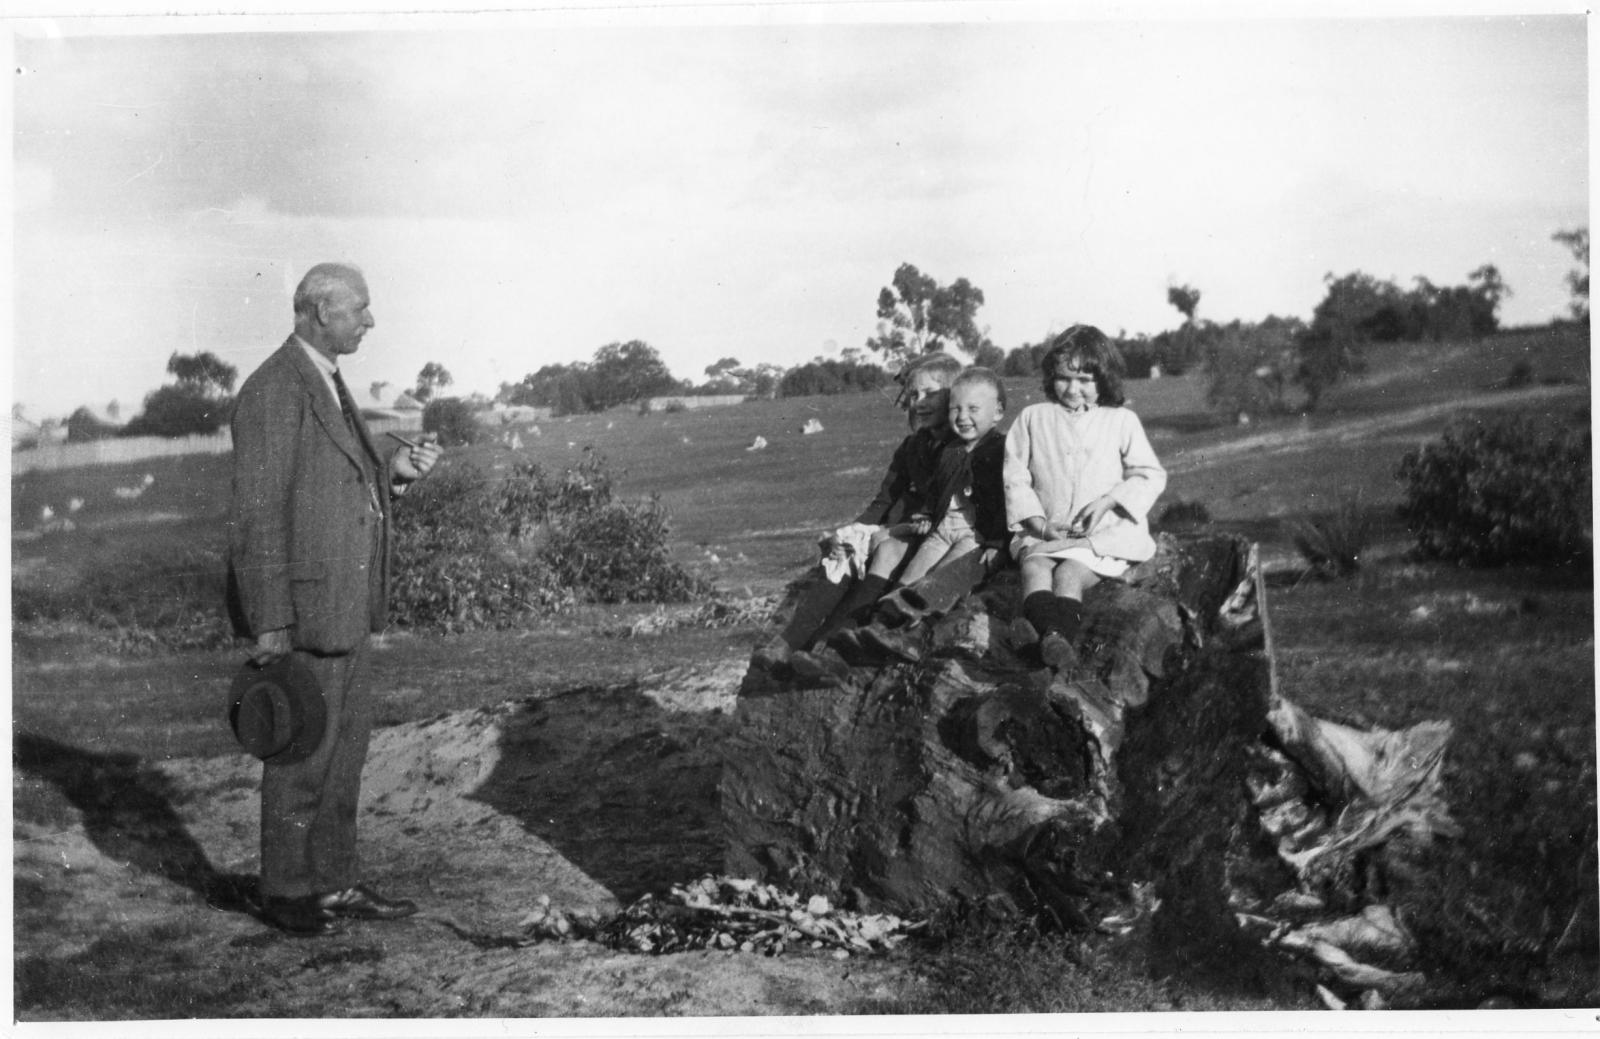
x=963, y=517
x=825, y=606
x=1080, y=478
x=964, y=509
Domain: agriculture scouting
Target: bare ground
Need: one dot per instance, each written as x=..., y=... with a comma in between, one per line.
x=133, y=879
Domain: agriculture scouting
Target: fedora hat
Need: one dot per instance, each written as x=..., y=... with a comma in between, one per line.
x=276, y=710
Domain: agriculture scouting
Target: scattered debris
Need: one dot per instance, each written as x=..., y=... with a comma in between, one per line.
x=812, y=426
x=734, y=913
x=132, y=493
x=758, y=444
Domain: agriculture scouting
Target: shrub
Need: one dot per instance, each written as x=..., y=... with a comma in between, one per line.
x=819, y=377
x=475, y=551
x=1501, y=490
x=459, y=563
x=452, y=418
x=1332, y=544
x=675, y=407
x=1521, y=374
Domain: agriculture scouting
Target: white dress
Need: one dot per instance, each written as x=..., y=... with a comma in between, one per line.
x=1058, y=461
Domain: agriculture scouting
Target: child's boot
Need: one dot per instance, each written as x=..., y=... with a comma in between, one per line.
x=822, y=667
x=861, y=597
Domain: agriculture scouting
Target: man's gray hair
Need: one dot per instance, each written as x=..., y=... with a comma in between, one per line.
x=319, y=284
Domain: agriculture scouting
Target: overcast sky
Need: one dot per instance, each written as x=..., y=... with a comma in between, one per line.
x=524, y=190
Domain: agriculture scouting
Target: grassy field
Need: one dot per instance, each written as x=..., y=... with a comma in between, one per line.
x=1505, y=655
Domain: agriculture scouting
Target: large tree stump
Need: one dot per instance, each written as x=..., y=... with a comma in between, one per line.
x=970, y=777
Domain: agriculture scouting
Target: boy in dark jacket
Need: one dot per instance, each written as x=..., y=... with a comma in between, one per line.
x=826, y=606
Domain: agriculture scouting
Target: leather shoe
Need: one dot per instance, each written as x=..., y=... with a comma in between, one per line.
x=363, y=903
x=820, y=668
x=300, y=917
x=897, y=644
x=1057, y=652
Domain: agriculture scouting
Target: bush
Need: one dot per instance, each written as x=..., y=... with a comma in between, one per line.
x=459, y=563
x=1501, y=490
x=1332, y=544
x=452, y=418
x=177, y=411
x=473, y=551
x=1521, y=374
x=816, y=378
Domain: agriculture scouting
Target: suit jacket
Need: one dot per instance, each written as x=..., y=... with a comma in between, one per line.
x=309, y=523
x=981, y=473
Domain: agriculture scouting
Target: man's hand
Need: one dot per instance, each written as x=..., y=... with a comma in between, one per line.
x=270, y=645
x=920, y=525
x=412, y=463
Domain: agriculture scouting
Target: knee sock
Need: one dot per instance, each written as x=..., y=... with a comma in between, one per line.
x=1039, y=610
x=861, y=598
x=1069, y=617
x=812, y=611
x=1047, y=613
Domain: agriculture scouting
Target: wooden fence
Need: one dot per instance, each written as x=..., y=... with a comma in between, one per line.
x=133, y=449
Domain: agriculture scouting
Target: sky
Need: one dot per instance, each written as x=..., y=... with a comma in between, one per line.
x=736, y=181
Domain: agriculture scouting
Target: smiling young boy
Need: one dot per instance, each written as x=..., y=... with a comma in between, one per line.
x=965, y=508
x=963, y=516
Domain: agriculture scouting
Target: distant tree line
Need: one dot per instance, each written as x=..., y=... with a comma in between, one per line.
x=1251, y=367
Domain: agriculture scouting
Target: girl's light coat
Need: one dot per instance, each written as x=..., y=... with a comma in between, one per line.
x=1058, y=461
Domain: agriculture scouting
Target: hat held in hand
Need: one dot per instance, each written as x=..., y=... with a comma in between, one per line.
x=277, y=711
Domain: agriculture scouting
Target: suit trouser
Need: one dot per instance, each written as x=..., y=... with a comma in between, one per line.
x=308, y=808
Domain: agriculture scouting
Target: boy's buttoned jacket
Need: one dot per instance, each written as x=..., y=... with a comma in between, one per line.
x=1058, y=461
x=980, y=473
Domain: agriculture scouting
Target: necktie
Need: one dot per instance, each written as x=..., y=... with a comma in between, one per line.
x=347, y=404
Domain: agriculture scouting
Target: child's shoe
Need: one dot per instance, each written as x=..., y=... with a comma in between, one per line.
x=1057, y=652
x=898, y=643
x=820, y=668
x=772, y=657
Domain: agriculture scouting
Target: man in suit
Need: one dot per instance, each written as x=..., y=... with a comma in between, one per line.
x=308, y=568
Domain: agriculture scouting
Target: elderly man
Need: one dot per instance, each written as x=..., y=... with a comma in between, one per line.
x=308, y=566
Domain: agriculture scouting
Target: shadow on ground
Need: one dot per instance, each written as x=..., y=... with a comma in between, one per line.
x=128, y=815
x=623, y=789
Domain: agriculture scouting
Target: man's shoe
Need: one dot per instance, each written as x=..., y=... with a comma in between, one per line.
x=898, y=643
x=363, y=903
x=300, y=917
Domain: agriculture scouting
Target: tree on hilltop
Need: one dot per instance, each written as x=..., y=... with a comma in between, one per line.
x=1186, y=298
x=432, y=378
x=204, y=373
x=917, y=315
x=198, y=401
x=1577, y=240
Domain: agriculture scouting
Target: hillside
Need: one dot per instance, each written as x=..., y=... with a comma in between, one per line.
x=578, y=759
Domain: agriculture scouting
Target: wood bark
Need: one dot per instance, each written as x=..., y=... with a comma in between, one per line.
x=1082, y=798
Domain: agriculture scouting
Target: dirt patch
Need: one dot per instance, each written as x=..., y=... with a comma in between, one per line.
x=133, y=878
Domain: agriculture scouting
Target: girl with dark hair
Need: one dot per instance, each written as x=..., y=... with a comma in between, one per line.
x=1080, y=479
